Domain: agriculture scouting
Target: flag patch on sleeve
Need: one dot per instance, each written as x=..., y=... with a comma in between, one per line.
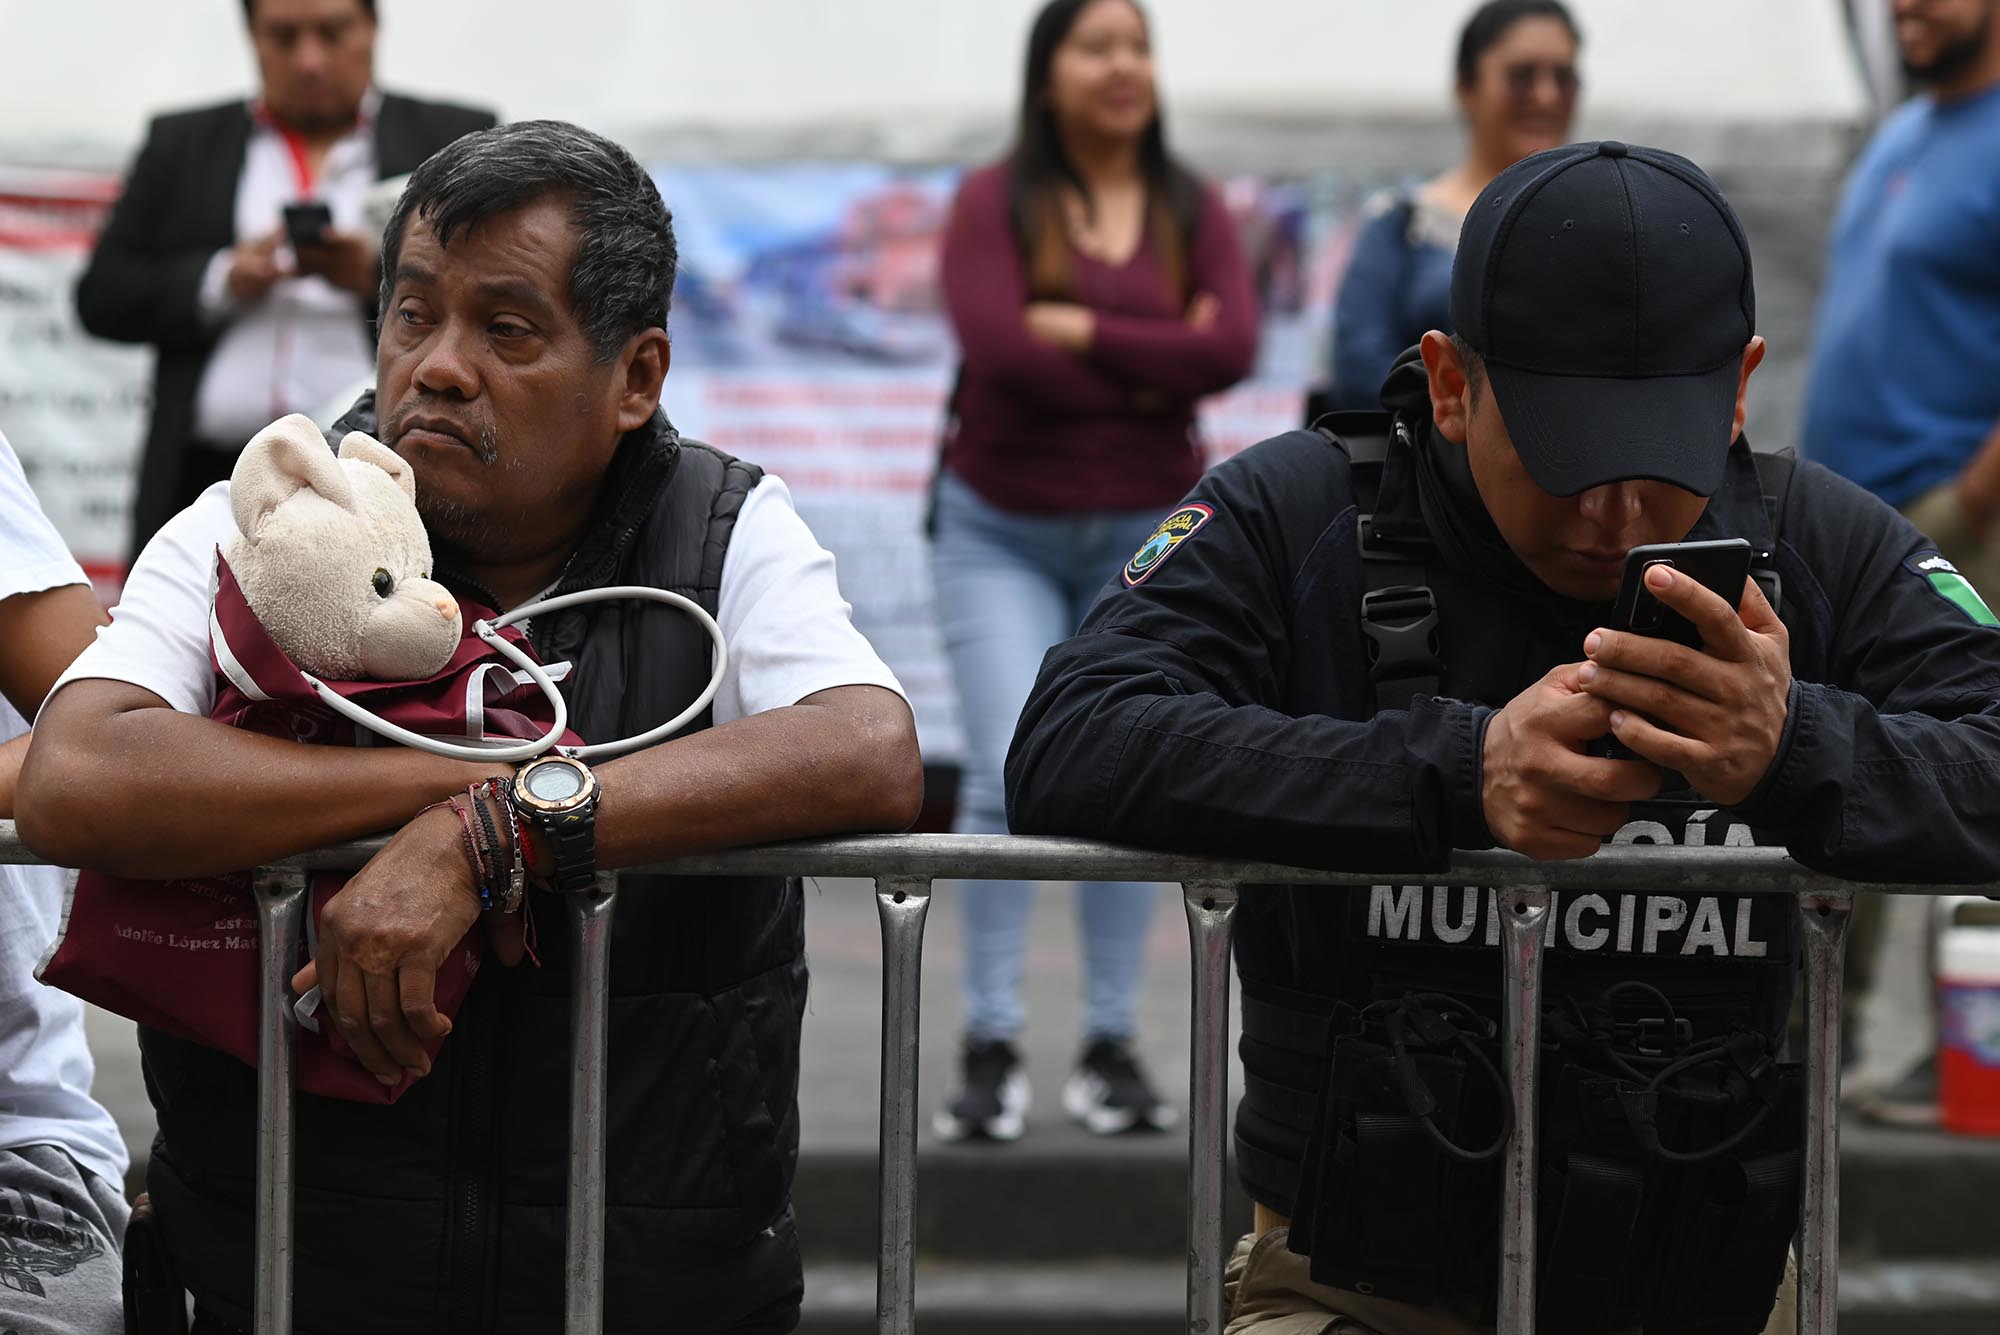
x=1174, y=530
x=1948, y=584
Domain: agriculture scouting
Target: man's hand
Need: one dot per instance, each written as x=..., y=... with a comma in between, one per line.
x=1717, y=713
x=345, y=259
x=1063, y=323
x=1203, y=311
x=1542, y=794
x=382, y=939
x=253, y=267
x=1978, y=496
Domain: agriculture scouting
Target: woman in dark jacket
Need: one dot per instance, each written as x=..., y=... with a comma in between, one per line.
x=1097, y=292
x=1517, y=86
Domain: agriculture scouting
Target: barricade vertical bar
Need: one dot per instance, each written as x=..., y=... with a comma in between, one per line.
x=1825, y=914
x=590, y=979
x=1210, y=908
x=902, y=902
x=1524, y=913
x=281, y=906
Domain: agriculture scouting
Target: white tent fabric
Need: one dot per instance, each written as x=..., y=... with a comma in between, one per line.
x=1255, y=85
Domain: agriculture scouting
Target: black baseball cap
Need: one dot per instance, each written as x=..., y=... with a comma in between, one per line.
x=1607, y=287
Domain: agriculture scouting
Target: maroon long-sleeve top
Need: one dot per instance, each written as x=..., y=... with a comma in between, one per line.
x=1042, y=429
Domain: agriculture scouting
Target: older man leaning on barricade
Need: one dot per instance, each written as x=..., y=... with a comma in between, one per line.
x=527, y=273
x=1368, y=645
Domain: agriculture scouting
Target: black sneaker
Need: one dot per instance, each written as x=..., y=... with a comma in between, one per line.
x=992, y=1102
x=1110, y=1094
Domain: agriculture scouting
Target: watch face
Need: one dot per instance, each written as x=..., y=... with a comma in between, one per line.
x=554, y=783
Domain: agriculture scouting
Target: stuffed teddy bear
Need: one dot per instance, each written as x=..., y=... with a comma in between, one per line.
x=329, y=575
x=333, y=559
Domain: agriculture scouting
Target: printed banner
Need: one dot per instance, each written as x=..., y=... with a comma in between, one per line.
x=73, y=407
x=808, y=336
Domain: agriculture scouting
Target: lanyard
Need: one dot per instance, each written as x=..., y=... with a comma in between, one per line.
x=295, y=149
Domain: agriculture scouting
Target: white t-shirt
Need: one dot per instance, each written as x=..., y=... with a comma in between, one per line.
x=779, y=607
x=45, y=1066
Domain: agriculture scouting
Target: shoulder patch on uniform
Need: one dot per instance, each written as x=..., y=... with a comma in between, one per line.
x=1174, y=530
x=1945, y=581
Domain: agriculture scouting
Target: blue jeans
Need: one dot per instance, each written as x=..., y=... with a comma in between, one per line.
x=1009, y=586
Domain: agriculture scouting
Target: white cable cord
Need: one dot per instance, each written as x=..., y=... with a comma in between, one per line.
x=489, y=631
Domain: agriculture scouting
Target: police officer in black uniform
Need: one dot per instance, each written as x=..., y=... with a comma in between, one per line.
x=1373, y=643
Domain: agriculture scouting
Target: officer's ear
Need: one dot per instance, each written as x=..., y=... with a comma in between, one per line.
x=1753, y=357
x=1451, y=387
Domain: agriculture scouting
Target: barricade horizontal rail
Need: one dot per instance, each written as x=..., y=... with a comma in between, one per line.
x=1022, y=857
x=903, y=868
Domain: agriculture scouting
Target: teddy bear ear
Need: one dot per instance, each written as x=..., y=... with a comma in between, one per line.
x=360, y=445
x=285, y=458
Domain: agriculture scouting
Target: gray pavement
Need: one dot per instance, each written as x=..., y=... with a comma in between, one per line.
x=843, y=1032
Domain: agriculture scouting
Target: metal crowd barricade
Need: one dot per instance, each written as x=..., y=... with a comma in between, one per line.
x=904, y=867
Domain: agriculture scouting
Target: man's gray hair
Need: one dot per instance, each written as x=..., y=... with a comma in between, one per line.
x=622, y=280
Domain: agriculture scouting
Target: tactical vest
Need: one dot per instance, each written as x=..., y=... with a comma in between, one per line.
x=445, y=1211
x=1375, y=1113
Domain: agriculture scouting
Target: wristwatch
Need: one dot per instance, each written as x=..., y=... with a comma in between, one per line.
x=558, y=795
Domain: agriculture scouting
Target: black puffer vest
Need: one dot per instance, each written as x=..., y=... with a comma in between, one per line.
x=445, y=1211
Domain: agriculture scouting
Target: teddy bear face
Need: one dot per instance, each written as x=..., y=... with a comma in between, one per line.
x=333, y=558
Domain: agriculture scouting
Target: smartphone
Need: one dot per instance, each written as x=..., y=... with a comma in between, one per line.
x=306, y=224
x=1720, y=567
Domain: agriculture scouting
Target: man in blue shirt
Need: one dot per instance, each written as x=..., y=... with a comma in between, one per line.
x=1905, y=389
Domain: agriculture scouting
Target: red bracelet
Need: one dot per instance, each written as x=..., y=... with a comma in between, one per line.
x=526, y=845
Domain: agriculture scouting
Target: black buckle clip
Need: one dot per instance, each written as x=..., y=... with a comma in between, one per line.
x=1402, y=631
x=1650, y=1036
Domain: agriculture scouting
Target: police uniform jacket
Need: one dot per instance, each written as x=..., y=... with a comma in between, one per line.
x=1217, y=700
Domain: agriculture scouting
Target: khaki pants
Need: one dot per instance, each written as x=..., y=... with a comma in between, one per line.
x=1270, y=1292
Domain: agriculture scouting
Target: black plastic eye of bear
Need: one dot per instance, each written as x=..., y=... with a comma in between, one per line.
x=384, y=582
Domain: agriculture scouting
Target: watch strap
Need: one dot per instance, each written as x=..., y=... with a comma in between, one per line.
x=573, y=840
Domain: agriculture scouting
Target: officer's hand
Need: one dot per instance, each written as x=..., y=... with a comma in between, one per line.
x=1978, y=496
x=1717, y=713
x=382, y=939
x=1542, y=794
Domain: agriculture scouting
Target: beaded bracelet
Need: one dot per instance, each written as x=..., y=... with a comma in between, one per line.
x=490, y=869
x=508, y=881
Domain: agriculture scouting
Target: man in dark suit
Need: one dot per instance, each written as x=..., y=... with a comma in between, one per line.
x=252, y=321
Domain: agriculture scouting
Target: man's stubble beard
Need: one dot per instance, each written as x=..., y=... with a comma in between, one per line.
x=1953, y=58
x=459, y=529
